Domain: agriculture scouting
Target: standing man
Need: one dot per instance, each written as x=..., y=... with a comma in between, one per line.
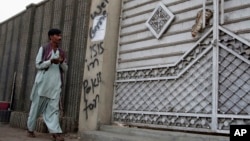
x=45, y=95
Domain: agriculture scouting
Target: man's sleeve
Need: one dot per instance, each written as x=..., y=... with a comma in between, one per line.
x=40, y=64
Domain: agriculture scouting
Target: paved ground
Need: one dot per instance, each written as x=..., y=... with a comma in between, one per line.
x=8, y=133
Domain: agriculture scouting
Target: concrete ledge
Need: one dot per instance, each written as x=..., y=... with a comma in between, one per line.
x=108, y=136
x=117, y=133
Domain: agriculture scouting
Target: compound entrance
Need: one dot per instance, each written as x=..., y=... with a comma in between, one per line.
x=206, y=89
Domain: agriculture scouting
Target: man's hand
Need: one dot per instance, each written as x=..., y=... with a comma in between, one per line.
x=55, y=61
x=61, y=59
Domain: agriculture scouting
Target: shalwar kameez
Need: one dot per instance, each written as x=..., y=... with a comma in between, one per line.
x=45, y=95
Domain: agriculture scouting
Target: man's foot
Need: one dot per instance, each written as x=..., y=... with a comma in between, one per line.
x=57, y=137
x=31, y=134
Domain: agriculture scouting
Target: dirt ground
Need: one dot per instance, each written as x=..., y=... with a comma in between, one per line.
x=8, y=133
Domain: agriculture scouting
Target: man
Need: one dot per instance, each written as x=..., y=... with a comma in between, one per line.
x=45, y=95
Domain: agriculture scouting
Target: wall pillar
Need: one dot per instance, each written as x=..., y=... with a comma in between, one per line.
x=100, y=64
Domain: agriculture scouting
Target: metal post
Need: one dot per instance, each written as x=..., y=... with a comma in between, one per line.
x=215, y=65
x=204, y=14
x=222, y=12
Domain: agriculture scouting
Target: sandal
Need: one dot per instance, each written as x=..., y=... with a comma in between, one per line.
x=57, y=137
x=31, y=134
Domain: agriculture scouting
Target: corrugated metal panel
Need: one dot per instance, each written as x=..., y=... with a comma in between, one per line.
x=237, y=17
x=137, y=43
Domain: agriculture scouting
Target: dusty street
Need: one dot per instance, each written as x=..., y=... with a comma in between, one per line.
x=8, y=133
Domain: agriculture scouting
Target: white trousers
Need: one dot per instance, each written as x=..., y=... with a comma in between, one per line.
x=49, y=108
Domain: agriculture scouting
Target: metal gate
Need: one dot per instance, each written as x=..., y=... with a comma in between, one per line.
x=206, y=90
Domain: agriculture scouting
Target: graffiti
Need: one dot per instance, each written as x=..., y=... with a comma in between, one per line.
x=100, y=9
x=93, y=31
x=91, y=84
x=90, y=106
x=96, y=61
x=88, y=88
x=95, y=82
x=99, y=12
x=96, y=49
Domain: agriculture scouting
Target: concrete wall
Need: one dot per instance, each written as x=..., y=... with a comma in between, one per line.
x=97, y=95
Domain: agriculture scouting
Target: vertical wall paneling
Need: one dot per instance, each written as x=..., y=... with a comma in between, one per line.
x=2, y=50
x=77, y=57
x=6, y=59
x=36, y=42
x=26, y=26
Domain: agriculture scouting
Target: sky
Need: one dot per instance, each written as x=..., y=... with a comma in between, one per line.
x=9, y=8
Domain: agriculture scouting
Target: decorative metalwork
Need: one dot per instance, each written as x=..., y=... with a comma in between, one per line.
x=234, y=74
x=235, y=45
x=169, y=70
x=159, y=20
x=224, y=123
x=169, y=95
x=147, y=102
x=181, y=95
x=165, y=120
x=207, y=89
x=234, y=84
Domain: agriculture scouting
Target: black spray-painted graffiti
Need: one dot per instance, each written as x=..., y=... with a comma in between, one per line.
x=89, y=85
x=93, y=64
x=90, y=106
x=95, y=82
x=94, y=29
x=100, y=11
x=96, y=49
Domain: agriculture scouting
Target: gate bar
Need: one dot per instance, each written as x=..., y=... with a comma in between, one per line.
x=214, y=124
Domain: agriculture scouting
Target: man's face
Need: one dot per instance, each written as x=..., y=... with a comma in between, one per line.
x=56, y=38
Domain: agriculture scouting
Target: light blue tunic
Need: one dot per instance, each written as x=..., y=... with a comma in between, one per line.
x=45, y=95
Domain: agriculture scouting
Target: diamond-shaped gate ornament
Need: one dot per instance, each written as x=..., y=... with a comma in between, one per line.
x=159, y=20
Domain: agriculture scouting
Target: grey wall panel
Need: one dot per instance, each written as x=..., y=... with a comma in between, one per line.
x=69, y=31
x=35, y=44
x=47, y=20
x=13, y=55
x=78, y=53
x=26, y=27
x=6, y=58
x=2, y=49
x=58, y=13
